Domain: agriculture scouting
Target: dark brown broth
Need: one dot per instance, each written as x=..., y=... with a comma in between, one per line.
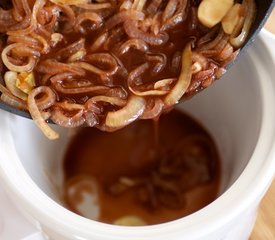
x=130, y=152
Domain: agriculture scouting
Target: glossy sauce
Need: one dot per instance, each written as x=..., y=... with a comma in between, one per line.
x=179, y=36
x=105, y=158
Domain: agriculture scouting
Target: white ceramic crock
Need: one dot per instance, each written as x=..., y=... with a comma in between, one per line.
x=238, y=111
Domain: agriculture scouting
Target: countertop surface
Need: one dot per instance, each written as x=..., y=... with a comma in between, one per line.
x=265, y=224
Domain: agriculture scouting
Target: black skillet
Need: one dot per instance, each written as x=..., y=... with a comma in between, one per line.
x=264, y=8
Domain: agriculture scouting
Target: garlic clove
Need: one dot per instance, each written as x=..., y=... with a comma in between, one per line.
x=232, y=18
x=211, y=12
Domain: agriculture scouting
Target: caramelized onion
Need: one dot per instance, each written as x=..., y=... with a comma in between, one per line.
x=208, y=81
x=231, y=58
x=88, y=16
x=133, y=43
x=122, y=17
x=170, y=9
x=112, y=100
x=139, y=4
x=89, y=67
x=156, y=23
x=154, y=6
x=164, y=83
x=46, y=100
x=23, y=24
x=213, y=43
x=196, y=67
x=48, y=17
x=184, y=79
x=197, y=57
x=93, y=107
x=68, y=12
x=6, y=15
x=133, y=78
x=10, y=81
x=33, y=22
x=238, y=41
x=115, y=37
x=70, y=49
x=178, y=17
x=25, y=51
x=70, y=2
x=25, y=68
x=70, y=106
x=78, y=56
x=99, y=42
x=59, y=117
x=90, y=119
x=85, y=4
x=60, y=77
x=175, y=63
x=126, y=5
x=118, y=92
x=20, y=8
x=219, y=72
x=29, y=41
x=226, y=52
x=51, y=66
x=106, y=59
x=13, y=101
x=127, y=114
x=94, y=6
x=43, y=41
x=161, y=61
x=132, y=30
x=222, y=43
x=203, y=75
x=36, y=114
x=80, y=90
x=3, y=89
x=157, y=90
x=22, y=12
x=154, y=111
x=119, y=67
x=152, y=92
x=161, y=87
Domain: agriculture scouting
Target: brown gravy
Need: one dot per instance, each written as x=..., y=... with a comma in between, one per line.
x=128, y=177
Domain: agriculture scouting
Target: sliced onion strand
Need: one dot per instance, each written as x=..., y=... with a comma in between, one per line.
x=127, y=114
x=36, y=114
x=184, y=80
